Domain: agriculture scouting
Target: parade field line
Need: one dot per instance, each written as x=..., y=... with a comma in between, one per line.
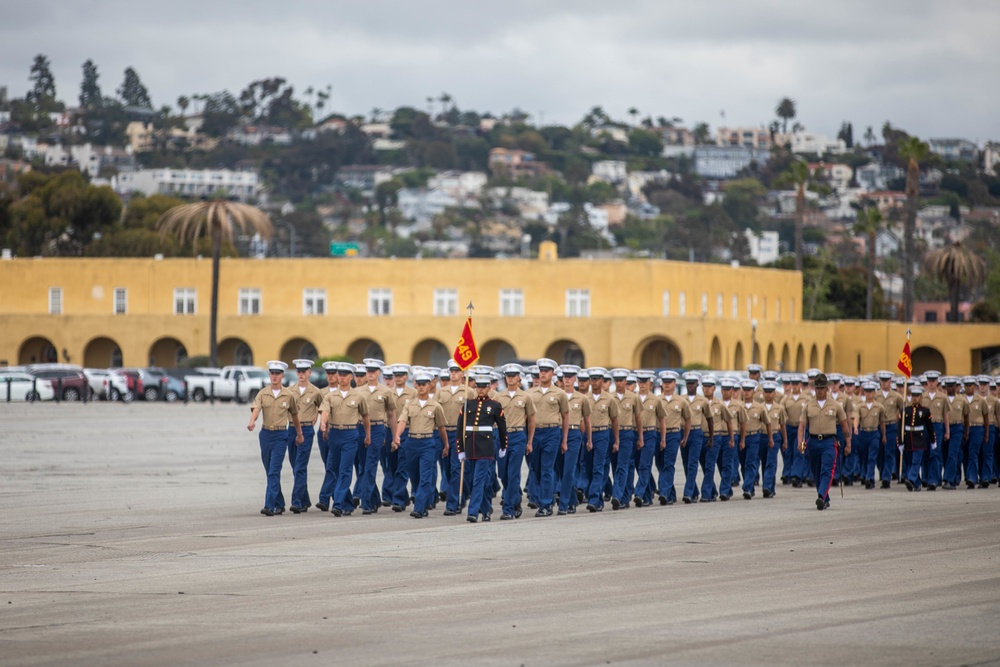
x=130, y=535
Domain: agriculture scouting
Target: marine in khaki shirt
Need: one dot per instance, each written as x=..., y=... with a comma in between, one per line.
x=579, y=408
x=936, y=401
x=381, y=400
x=345, y=408
x=307, y=400
x=737, y=411
x=654, y=415
x=278, y=406
x=629, y=411
x=422, y=416
x=551, y=405
x=758, y=419
x=870, y=416
x=453, y=396
x=604, y=415
x=958, y=408
x=778, y=416
x=701, y=411
x=677, y=413
x=793, y=404
x=721, y=418
x=518, y=408
x=891, y=400
x=821, y=417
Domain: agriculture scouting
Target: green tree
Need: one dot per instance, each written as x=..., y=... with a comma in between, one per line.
x=644, y=142
x=701, y=134
x=785, y=111
x=869, y=222
x=43, y=83
x=798, y=175
x=90, y=90
x=132, y=91
x=216, y=219
x=183, y=102
x=385, y=197
x=958, y=267
x=913, y=151
x=742, y=202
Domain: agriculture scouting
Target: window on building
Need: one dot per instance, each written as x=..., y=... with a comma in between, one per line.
x=718, y=305
x=314, y=301
x=666, y=303
x=121, y=300
x=380, y=301
x=185, y=300
x=682, y=306
x=249, y=301
x=704, y=304
x=511, y=303
x=736, y=307
x=578, y=303
x=445, y=302
x=55, y=301
x=930, y=316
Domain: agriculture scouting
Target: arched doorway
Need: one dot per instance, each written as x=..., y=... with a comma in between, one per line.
x=755, y=357
x=102, y=352
x=827, y=359
x=235, y=351
x=430, y=352
x=565, y=352
x=786, y=358
x=659, y=352
x=497, y=352
x=715, y=357
x=800, y=359
x=738, y=356
x=167, y=353
x=813, y=357
x=364, y=348
x=298, y=348
x=928, y=358
x=772, y=362
x=37, y=350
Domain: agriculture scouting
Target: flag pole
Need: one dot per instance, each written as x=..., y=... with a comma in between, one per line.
x=465, y=416
x=902, y=414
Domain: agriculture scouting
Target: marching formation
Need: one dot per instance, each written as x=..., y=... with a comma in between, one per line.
x=592, y=437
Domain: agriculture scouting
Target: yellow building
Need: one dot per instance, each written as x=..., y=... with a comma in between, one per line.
x=633, y=313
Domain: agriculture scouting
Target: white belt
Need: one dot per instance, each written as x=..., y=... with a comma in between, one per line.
x=479, y=428
x=914, y=428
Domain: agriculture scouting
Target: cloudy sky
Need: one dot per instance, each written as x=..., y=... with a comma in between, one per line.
x=928, y=66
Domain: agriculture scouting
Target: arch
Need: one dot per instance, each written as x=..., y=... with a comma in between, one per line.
x=800, y=359
x=659, y=352
x=827, y=359
x=738, y=356
x=167, y=352
x=755, y=357
x=715, y=356
x=298, y=348
x=813, y=357
x=102, y=352
x=928, y=358
x=786, y=359
x=364, y=348
x=430, y=352
x=497, y=352
x=235, y=351
x=37, y=350
x=565, y=351
x=772, y=362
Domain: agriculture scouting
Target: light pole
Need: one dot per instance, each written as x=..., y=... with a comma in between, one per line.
x=753, y=341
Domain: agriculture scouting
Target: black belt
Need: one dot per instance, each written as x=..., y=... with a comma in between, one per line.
x=594, y=429
x=515, y=429
x=822, y=436
x=421, y=436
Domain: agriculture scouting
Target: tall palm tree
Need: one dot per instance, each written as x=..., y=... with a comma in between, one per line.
x=957, y=266
x=215, y=219
x=914, y=152
x=785, y=111
x=869, y=222
x=798, y=175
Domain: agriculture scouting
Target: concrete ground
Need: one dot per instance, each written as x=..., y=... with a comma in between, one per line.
x=131, y=536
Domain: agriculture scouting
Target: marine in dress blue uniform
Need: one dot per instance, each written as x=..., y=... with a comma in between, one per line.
x=483, y=438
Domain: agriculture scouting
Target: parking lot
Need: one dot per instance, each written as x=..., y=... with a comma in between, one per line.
x=131, y=535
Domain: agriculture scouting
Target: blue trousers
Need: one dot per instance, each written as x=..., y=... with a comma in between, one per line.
x=751, y=460
x=273, y=445
x=567, y=486
x=443, y=468
x=916, y=459
x=329, y=474
x=610, y=466
x=401, y=474
x=480, y=500
x=388, y=459
x=367, y=486
x=691, y=456
x=547, y=442
x=666, y=480
x=709, y=461
x=584, y=468
x=343, y=449
x=421, y=456
x=626, y=444
x=852, y=462
x=728, y=458
x=932, y=459
x=599, y=457
x=972, y=472
x=510, y=470
x=769, y=460
x=989, y=472
x=823, y=461
x=868, y=444
x=299, y=456
x=889, y=451
x=790, y=453
x=455, y=499
x=953, y=464
x=800, y=465
x=644, y=465
x=359, y=461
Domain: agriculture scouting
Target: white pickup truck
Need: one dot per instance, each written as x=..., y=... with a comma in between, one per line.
x=233, y=382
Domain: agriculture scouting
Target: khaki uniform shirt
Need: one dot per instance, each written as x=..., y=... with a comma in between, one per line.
x=603, y=409
x=629, y=411
x=793, y=407
x=516, y=408
x=407, y=395
x=721, y=416
x=276, y=411
x=452, y=403
x=823, y=420
x=937, y=405
x=958, y=409
x=579, y=407
x=993, y=409
x=381, y=401
x=550, y=406
x=845, y=402
x=757, y=418
x=344, y=410
x=739, y=414
x=652, y=411
x=701, y=412
x=677, y=409
x=422, y=420
x=871, y=418
x=307, y=402
x=892, y=403
x=778, y=416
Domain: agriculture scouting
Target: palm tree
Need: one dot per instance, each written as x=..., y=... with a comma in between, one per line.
x=785, y=111
x=632, y=111
x=914, y=152
x=956, y=265
x=869, y=222
x=216, y=219
x=798, y=175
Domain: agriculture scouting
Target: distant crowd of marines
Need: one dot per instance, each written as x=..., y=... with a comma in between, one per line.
x=593, y=436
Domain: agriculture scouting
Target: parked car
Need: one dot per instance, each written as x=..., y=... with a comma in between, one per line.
x=123, y=384
x=317, y=376
x=95, y=378
x=21, y=386
x=68, y=380
x=247, y=379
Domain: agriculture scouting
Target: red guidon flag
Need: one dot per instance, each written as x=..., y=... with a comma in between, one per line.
x=905, y=364
x=466, y=353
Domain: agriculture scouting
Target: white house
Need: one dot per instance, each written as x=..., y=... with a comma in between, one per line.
x=244, y=185
x=422, y=204
x=726, y=161
x=531, y=204
x=460, y=185
x=876, y=176
x=610, y=171
x=91, y=159
x=596, y=217
x=763, y=247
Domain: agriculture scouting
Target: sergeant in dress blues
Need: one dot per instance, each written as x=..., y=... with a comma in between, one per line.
x=477, y=444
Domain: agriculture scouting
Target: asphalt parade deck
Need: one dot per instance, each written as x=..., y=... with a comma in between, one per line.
x=131, y=536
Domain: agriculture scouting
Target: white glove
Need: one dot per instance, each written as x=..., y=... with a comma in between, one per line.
x=933, y=445
x=503, y=453
x=461, y=456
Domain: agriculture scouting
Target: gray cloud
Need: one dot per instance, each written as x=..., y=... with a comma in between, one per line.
x=926, y=65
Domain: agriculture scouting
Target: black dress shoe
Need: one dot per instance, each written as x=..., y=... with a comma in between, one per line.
x=322, y=507
x=767, y=493
x=591, y=508
x=417, y=515
x=784, y=480
x=486, y=518
x=517, y=511
x=471, y=518
x=532, y=505
x=984, y=485
x=367, y=512
x=724, y=498
x=706, y=500
x=579, y=496
x=336, y=512
x=294, y=509
x=909, y=485
x=450, y=512
x=663, y=500
x=886, y=484
x=561, y=512
x=917, y=488
x=686, y=500
x=397, y=508
x=947, y=486
x=606, y=497
x=279, y=510
x=970, y=485
x=386, y=503
x=506, y=517
x=267, y=512
x=571, y=510
x=348, y=512
x=615, y=503
x=637, y=501
x=442, y=495
x=932, y=487
x=543, y=512
x=747, y=495
x=820, y=504
x=357, y=502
